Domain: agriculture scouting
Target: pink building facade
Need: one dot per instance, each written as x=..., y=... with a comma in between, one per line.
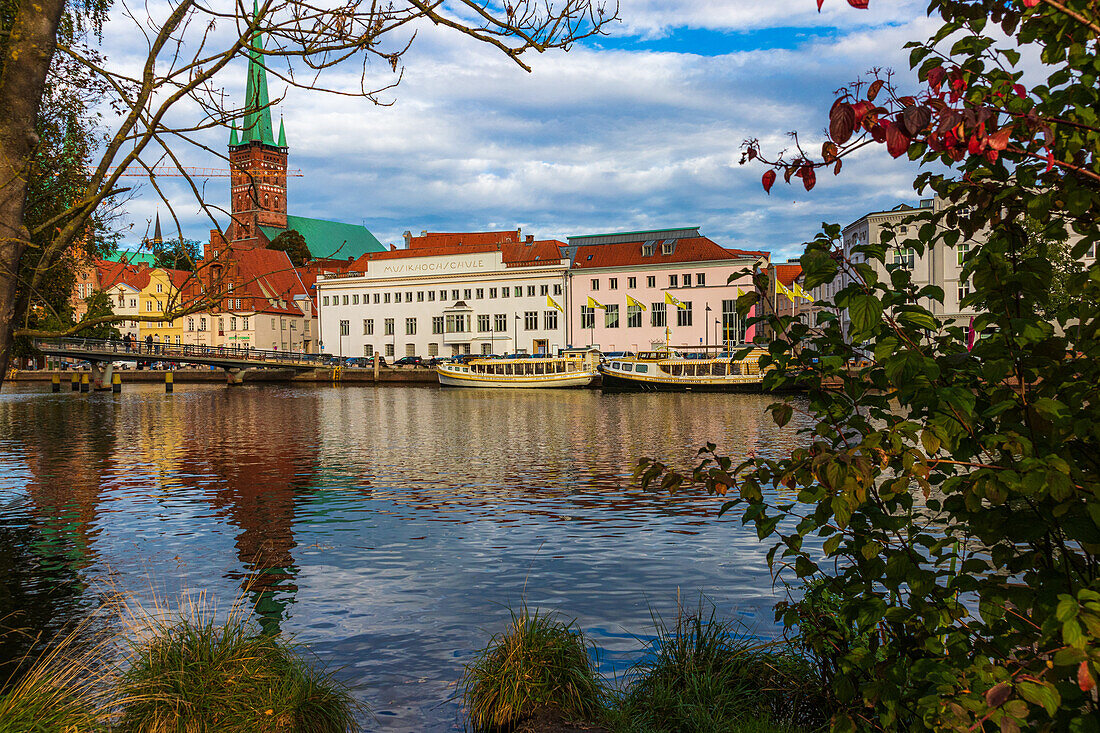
x=631, y=275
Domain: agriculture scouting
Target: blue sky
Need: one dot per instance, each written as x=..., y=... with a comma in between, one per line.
x=640, y=129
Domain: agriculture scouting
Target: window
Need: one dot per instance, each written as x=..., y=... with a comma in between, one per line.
x=410, y=349
x=442, y=294
x=368, y=349
x=467, y=294
x=530, y=320
x=133, y=302
x=324, y=300
x=672, y=283
x=667, y=247
x=613, y=284
x=544, y=290
x=345, y=327
x=409, y=297
x=486, y=349
x=651, y=281
x=454, y=295
x=683, y=315
x=518, y=292
x=964, y=289
x=483, y=323
x=160, y=288
x=632, y=282
x=148, y=306
x=687, y=280
x=376, y=299
x=456, y=323
x=244, y=323
x=437, y=324
x=479, y=293
x=700, y=279
x=433, y=349
x=190, y=324
x=282, y=324
x=500, y=322
x=410, y=327
x=961, y=250
x=385, y=297
x=232, y=323
x=734, y=326
x=550, y=320
x=355, y=300
x=492, y=293
x=647, y=250
x=530, y=291
x=388, y=326
x=595, y=284
x=557, y=289
x=611, y=316
x=345, y=300
x=588, y=317
x=505, y=292
x=633, y=316
x=397, y=297
x=368, y=326
x=419, y=296
x=389, y=350
x=905, y=257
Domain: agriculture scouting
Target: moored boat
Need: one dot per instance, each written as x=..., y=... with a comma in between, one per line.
x=667, y=370
x=575, y=368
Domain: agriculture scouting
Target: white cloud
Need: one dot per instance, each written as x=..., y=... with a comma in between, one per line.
x=594, y=140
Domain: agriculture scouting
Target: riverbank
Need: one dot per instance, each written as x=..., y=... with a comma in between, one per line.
x=389, y=375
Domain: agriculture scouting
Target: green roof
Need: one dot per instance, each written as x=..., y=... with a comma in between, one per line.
x=331, y=239
x=132, y=257
x=256, y=125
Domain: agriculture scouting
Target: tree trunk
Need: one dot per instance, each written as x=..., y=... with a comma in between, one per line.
x=26, y=61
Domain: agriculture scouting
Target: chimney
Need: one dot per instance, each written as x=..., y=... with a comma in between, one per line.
x=393, y=248
x=530, y=239
x=408, y=236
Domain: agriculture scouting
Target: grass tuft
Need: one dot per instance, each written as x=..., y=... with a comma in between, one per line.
x=704, y=674
x=540, y=663
x=188, y=672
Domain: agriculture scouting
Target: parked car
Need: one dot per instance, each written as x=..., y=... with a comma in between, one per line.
x=409, y=361
x=437, y=360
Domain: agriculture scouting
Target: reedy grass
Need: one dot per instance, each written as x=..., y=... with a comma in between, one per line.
x=186, y=671
x=540, y=662
x=704, y=674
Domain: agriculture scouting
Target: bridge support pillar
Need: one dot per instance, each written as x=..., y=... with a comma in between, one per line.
x=236, y=375
x=102, y=371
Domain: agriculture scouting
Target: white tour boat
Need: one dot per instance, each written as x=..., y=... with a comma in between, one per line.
x=667, y=370
x=574, y=368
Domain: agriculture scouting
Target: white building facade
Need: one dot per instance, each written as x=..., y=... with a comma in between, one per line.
x=484, y=299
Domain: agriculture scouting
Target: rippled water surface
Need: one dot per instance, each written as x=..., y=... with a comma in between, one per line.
x=390, y=527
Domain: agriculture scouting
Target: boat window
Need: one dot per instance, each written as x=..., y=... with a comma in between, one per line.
x=735, y=369
x=539, y=368
x=616, y=365
x=641, y=368
x=719, y=369
x=628, y=367
x=507, y=368
x=676, y=370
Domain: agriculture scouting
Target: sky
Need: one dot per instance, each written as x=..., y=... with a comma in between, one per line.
x=639, y=129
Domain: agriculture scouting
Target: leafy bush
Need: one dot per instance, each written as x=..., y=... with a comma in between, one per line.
x=539, y=663
x=703, y=674
x=950, y=497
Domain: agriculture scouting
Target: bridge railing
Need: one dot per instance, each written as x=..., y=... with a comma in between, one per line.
x=145, y=350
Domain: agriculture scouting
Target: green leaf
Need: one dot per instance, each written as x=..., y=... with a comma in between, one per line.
x=865, y=312
x=1040, y=693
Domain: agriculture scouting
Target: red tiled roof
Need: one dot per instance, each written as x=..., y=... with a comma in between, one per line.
x=112, y=273
x=787, y=274
x=433, y=240
x=692, y=249
x=514, y=254
x=268, y=275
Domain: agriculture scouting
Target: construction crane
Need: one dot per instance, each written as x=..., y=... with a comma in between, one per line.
x=171, y=171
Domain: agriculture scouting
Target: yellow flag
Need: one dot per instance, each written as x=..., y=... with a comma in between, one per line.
x=800, y=292
x=553, y=304
x=782, y=290
x=592, y=303
x=634, y=301
x=673, y=301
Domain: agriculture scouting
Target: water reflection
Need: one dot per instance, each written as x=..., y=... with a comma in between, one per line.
x=388, y=528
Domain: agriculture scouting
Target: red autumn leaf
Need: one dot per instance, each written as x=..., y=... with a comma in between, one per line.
x=1084, y=677
x=829, y=152
x=996, y=696
x=935, y=77
x=999, y=139
x=836, y=167
x=1020, y=91
x=809, y=178
x=878, y=132
x=842, y=121
x=768, y=181
x=1030, y=3
x=974, y=145
x=916, y=119
x=858, y=4
x=896, y=142
x=873, y=90
x=991, y=155
x=750, y=153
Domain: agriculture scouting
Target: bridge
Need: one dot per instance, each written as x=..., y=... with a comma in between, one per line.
x=236, y=361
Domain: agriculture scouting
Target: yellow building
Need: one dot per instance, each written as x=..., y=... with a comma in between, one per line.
x=161, y=295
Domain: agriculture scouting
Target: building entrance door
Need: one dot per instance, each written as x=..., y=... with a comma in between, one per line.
x=541, y=346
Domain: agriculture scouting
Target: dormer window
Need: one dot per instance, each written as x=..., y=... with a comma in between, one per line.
x=666, y=248
x=647, y=250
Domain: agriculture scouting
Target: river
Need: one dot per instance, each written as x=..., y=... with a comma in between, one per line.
x=388, y=529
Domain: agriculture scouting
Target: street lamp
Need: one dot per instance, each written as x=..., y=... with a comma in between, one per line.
x=718, y=341
x=515, y=337
x=706, y=331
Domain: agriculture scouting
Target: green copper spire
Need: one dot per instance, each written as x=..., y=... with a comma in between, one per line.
x=257, y=116
x=233, y=136
x=282, y=134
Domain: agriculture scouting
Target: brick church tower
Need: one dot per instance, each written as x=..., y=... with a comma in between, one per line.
x=257, y=161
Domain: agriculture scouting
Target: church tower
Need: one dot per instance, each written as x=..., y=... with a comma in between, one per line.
x=257, y=161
